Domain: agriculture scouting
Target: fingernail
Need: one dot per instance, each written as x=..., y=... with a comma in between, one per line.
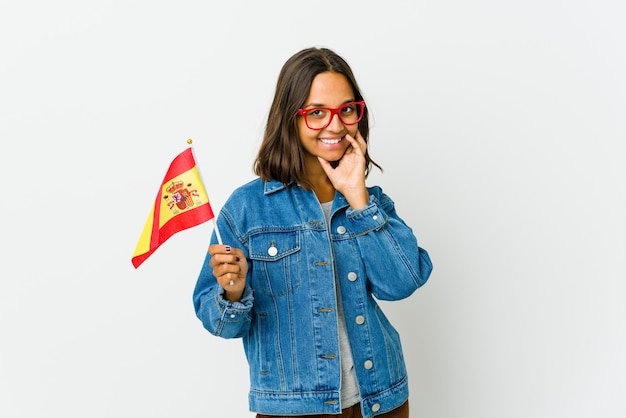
x=227, y=248
x=237, y=258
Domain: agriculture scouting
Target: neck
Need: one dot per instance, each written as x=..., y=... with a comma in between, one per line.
x=319, y=181
x=324, y=191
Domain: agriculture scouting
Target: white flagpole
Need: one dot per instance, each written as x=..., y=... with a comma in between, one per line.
x=217, y=231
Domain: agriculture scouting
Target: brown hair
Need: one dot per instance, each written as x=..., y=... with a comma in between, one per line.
x=281, y=156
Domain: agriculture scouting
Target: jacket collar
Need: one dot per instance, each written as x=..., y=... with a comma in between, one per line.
x=272, y=186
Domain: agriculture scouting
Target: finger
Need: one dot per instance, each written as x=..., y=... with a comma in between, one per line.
x=325, y=165
x=361, y=141
x=225, y=251
x=229, y=280
x=224, y=254
x=355, y=144
x=219, y=249
x=226, y=272
x=226, y=269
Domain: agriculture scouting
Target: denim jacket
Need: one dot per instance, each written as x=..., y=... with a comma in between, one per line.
x=287, y=316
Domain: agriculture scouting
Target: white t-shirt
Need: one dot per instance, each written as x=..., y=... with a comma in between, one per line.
x=349, y=386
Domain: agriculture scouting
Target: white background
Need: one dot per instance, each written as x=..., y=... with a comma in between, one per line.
x=501, y=129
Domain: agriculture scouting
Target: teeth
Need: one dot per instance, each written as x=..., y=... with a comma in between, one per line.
x=330, y=141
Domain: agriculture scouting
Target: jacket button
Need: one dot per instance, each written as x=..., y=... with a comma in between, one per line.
x=272, y=251
x=352, y=276
x=368, y=364
x=341, y=229
x=376, y=407
x=360, y=319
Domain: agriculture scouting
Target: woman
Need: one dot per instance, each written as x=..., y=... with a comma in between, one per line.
x=309, y=247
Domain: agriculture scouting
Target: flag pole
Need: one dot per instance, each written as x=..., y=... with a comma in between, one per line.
x=217, y=231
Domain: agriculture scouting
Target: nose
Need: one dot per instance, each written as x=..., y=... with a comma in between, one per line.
x=335, y=124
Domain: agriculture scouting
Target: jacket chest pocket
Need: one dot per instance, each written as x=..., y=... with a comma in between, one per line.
x=276, y=261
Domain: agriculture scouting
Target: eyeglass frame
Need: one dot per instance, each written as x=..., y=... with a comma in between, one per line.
x=333, y=111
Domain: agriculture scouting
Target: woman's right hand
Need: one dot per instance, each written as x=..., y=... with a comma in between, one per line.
x=230, y=268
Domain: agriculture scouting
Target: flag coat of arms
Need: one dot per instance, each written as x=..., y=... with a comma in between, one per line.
x=181, y=203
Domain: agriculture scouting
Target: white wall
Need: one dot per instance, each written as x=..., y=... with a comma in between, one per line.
x=501, y=129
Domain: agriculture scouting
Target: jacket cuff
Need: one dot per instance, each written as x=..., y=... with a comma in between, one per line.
x=235, y=311
x=368, y=218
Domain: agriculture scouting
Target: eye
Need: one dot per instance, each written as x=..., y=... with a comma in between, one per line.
x=316, y=113
x=348, y=109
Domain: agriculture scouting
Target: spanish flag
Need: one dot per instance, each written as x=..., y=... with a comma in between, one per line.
x=182, y=202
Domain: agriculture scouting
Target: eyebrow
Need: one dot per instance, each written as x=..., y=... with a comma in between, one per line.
x=321, y=105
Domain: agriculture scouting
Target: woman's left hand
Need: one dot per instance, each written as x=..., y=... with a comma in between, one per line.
x=348, y=177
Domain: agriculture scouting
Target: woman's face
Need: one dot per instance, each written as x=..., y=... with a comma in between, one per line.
x=327, y=90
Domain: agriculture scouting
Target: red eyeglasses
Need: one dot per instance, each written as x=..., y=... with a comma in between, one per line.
x=320, y=117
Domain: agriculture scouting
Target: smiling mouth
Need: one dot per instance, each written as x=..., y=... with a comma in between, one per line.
x=331, y=141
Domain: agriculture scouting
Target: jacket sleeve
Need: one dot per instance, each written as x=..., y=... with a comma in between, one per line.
x=219, y=316
x=394, y=264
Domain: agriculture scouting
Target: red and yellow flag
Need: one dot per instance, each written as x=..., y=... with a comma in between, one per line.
x=182, y=202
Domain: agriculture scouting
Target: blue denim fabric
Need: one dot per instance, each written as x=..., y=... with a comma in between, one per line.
x=287, y=317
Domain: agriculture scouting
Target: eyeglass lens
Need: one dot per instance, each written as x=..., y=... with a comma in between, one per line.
x=320, y=118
